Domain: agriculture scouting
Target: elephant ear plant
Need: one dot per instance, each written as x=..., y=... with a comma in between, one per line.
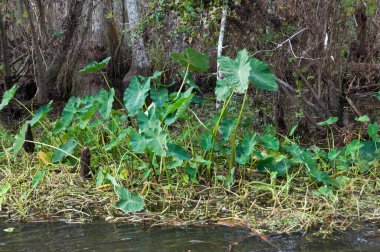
x=238, y=74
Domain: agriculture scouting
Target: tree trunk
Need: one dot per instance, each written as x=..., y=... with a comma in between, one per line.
x=140, y=63
x=46, y=78
x=5, y=55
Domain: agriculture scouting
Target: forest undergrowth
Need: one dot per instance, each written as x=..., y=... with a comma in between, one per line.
x=175, y=159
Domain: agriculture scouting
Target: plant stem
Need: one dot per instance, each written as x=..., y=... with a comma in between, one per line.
x=215, y=130
x=233, y=138
x=183, y=81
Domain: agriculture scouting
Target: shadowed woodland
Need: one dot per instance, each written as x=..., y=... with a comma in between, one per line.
x=325, y=54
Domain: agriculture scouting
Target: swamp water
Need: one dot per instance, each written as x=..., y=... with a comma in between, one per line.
x=122, y=237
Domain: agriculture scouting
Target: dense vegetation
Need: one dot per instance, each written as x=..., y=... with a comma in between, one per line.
x=153, y=126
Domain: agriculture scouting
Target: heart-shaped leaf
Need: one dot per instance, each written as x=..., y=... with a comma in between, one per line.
x=95, y=66
x=178, y=152
x=236, y=72
x=197, y=62
x=160, y=96
x=270, y=142
x=261, y=76
x=135, y=95
x=128, y=202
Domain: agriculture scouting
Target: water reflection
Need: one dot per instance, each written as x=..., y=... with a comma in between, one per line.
x=122, y=237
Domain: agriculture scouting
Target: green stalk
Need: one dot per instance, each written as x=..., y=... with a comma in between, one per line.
x=233, y=138
x=183, y=81
x=215, y=130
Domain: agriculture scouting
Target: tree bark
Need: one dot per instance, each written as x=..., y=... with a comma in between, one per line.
x=140, y=63
x=5, y=55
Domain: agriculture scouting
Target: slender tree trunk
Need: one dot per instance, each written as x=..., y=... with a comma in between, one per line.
x=140, y=63
x=5, y=54
x=220, y=45
x=46, y=78
x=42, y=88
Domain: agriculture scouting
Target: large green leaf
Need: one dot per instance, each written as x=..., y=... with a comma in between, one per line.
x=246, y=148
x=64, y=150
x=270, y=164
x=223, y=90
x=106, y=102
x=150, y=121
x=19, y=140
x=128, y=202
x=160, y=96
x=206, y=141
x=7, y=97
x=178, y=152
x=135, y=95
x=197, y=62
x=138, y=143
x=270, y=142
x=156, y=141
x=227, y=126
x=40, y=113
x=68, y=114
x=95, y=66
x=236, y=72
x=176, y=110
x=261, y=76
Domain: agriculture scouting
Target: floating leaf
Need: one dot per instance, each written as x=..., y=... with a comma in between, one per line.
x=7, y=97
x=40, y=113
x=197, y=62
x=135, y=95
x=95, y=66
x=329, y=121
x=64, y=151
x=261, y=76
x=178, y=152
x=364, y=118
x=236, y=72
x=128, y=202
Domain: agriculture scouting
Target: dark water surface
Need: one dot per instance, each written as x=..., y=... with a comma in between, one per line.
x=122, y=237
